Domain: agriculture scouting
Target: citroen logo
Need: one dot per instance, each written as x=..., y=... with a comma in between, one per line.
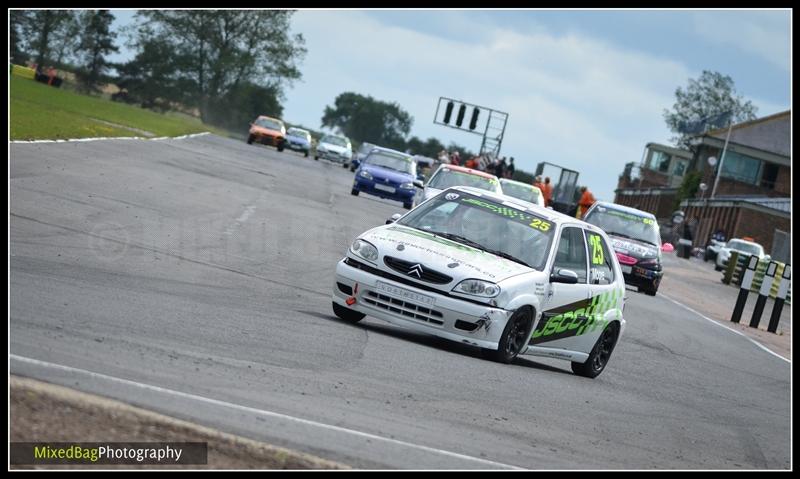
x=416, y=269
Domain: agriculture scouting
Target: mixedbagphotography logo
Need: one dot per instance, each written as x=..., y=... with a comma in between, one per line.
x=101, y=453
x=109, y=241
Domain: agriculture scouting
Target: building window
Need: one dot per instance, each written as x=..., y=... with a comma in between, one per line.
x=769, y=176
x=741, y=167
x=660, y=161
x=680, y=167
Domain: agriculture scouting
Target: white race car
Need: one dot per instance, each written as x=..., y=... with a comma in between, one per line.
x=488, y=270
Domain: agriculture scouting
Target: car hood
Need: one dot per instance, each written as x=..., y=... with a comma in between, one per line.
x=382, y=174
x=727, y=251
x=633, y=248
x=297, y=139
x=336, y=148
x=442, y=255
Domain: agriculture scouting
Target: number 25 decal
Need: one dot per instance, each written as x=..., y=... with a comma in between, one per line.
x=597, y=249
x=540, y=225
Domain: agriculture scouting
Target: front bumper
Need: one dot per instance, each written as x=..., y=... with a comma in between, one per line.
x=445, y=317
x=267, y=139
x=399, y=194
x=296, y=146
x=332, y=156
x=643, y=277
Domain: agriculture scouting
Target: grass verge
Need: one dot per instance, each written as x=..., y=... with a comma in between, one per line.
x=41, y=112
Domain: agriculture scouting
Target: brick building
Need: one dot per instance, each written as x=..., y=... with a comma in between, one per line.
x=754, y=186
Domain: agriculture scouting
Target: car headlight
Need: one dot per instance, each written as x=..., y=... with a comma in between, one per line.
x=365, y=174
x=407, y=186
x=364, y=250
x=478, y=287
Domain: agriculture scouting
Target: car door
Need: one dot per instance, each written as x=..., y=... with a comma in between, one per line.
x=564, y=306
x=606, y=291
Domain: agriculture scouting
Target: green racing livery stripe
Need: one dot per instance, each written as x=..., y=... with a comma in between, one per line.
x=575, y=319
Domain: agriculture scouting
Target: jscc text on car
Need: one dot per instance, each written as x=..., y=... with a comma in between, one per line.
x=487, y=270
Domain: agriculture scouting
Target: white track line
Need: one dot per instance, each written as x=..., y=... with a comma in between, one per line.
x=75, y=140
x=729, y=329
x=261, y=412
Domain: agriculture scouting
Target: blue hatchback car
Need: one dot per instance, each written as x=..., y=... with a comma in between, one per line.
x=298, y=139
x=388, y=174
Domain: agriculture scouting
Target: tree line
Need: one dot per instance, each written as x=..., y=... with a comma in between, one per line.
x=229, y=65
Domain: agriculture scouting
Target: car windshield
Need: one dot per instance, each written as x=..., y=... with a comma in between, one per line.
x=335, y=140
x=521, y=191
x=624, y=224
x=744, y=247
x=267, y=123
x=300, y=133
x=445, y=178
x=482, y=223
x=392, y=162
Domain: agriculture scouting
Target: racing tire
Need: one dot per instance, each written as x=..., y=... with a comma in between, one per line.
x=347, y=314
x=650, y=291
x=250, y=139
x=344, y=165
x=601, y=353
x=352, y=168
x=408, y=206
x=280, y=148
x=316, y=158
x=514, y=337
x=354, y=192
x=306, y=153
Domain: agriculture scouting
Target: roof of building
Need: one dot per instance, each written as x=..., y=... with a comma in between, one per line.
x=670, y=149
x=783, y=204
x=746, y=124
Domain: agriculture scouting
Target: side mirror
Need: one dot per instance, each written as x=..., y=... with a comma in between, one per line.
x=667, y=248
x=393, y=218
x=566, y=276
x=418, y=184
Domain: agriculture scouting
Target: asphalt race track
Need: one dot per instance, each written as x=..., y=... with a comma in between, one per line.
x=193, y=277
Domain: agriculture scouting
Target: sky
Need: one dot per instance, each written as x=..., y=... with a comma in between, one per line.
x=583, y=89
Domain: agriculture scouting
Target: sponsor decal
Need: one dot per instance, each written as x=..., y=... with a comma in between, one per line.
x=451, y=196
x=597, y=248
x=627, y=216
x=511, y=213
x=627, y=247
x=575, y=319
